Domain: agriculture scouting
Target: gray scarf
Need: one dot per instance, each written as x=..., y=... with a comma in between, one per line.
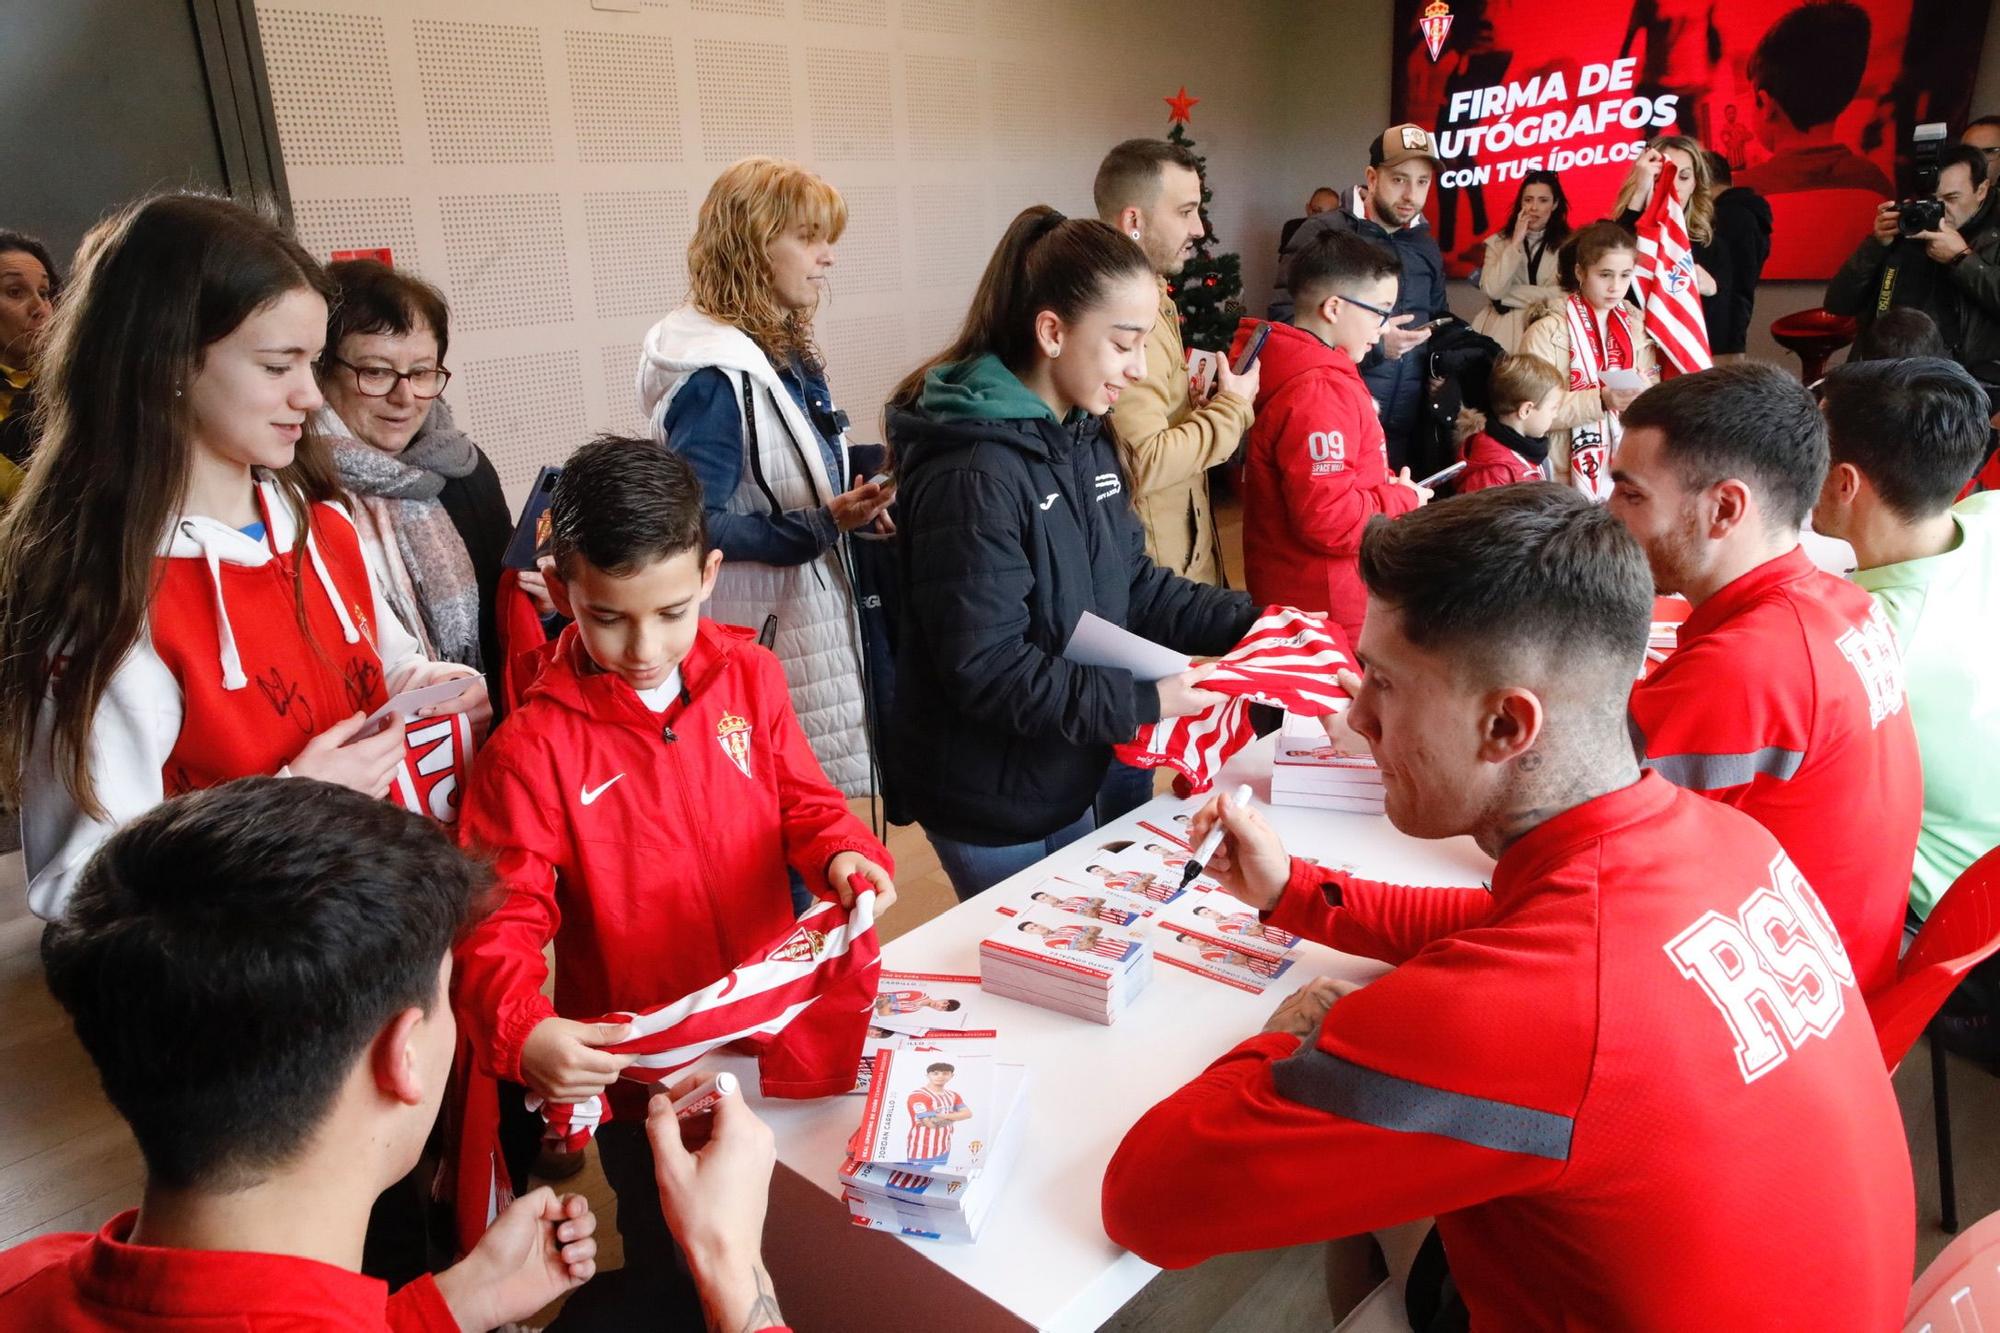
x=400, y=493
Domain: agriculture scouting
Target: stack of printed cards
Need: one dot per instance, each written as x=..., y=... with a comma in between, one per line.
x=1050, y=958
x=1215, y=936
x=1307, y=770
x=931, y=1010
x=938, y=1138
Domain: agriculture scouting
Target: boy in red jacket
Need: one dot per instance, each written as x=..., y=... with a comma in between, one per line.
x=641, y=807
x=259, y=973
x=1316, y=466
x=1523, y=391
x=1634, y=1081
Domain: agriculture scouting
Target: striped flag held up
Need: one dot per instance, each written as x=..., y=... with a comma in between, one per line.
x=1666, y=283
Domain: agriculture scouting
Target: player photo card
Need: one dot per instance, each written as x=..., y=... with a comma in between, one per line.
x=1061, y=896
x=928, y=1111
x=1228, y=965
x=1221, y=920
x=1130, y=873
x=1044, y=940
x=920, y=1002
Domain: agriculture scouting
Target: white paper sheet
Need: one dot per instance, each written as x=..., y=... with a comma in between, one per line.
x=1098, y=642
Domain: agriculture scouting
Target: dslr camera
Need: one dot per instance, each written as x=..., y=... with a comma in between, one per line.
x=1923, y=213
x=1918, y=215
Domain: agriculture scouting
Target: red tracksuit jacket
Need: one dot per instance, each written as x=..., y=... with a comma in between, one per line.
x=637, y=842
x=79, y=1283
x=1489, y=463
x=1785, y=700
x=1633, y=1084
x=1315, y=470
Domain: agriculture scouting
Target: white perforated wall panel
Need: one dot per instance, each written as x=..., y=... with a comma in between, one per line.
x=638, y=250
x=506, y=259
x=624, y=92
x=330, y=88
x=745, y=90
x=849, y=92
x=485, y=92
x=543, y=161
x=326, y=225
x=619, y=369
x=534, y=402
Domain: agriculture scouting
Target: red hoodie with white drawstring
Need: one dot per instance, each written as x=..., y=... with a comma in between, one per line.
x=221, y=683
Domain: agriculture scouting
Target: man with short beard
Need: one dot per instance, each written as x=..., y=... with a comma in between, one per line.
x=1389, y=210
x=1150, y=190
x=1785, y=696
x=1633, y=1080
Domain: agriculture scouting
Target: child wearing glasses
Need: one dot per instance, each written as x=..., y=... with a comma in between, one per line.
x=1316, y=465
x=426, y=500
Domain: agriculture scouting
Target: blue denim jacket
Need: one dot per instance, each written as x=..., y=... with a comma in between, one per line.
x=704, y=424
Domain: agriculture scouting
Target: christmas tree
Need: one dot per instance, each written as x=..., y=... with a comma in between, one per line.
x=1209, y=289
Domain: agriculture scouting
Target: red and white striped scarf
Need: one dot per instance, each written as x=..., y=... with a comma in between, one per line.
x=1666, y=283
x=1592, y=443
x=820, y=976
x=1287, y=660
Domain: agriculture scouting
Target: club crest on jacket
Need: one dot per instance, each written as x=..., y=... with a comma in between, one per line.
x=804, y=946
x=732, y=733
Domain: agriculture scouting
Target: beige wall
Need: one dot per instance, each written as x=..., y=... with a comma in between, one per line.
x=541, y=160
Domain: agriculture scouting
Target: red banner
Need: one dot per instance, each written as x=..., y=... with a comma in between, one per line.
x=1813, y=104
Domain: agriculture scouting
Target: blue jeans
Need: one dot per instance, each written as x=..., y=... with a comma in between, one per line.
x=973, y=869
x=1124, y=790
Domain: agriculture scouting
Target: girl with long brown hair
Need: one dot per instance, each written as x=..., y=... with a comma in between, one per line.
x=734, y=382
x=180, y=602
x=1015, y=521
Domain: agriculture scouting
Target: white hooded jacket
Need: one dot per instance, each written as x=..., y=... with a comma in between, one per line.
x=818, y=636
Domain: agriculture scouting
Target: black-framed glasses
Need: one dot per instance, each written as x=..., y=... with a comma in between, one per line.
x=380, y=381
x=1381, y=315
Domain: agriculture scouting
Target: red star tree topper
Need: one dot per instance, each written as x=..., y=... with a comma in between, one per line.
x=1209, y=289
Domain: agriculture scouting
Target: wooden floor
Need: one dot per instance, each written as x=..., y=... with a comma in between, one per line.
x=67, y=1162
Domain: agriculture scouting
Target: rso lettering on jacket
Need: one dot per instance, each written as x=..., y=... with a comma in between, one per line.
x=1774, y=971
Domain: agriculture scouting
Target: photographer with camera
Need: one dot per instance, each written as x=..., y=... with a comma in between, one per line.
x=1940, y=255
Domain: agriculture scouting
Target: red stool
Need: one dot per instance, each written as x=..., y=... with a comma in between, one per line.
x=1814, y=336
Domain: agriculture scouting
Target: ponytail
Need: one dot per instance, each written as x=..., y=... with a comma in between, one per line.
x=1045, y=261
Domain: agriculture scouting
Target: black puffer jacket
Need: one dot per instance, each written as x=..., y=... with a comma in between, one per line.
x=1012, y=526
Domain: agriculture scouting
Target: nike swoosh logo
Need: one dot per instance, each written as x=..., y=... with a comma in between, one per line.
x=1053, y=495
x=590, y=794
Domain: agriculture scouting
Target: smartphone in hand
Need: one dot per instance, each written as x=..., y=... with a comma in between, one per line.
x=1250, y=353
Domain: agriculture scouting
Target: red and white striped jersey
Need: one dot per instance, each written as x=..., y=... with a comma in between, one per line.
x=930, y=1138
x=1665, y=282
x=804, y=1002
x=1217, y=955
x=900, y=1001
x=1247, y=925
x=1287, y=660
x=1080, y=939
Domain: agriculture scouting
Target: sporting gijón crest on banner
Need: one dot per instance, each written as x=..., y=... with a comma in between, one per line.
x=1436, y=26
x=732, y=733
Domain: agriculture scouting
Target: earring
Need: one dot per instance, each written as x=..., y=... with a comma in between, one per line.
x=1135, y=233
x=1053, y=355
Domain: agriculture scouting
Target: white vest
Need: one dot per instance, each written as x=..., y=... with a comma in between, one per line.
x=819, y=637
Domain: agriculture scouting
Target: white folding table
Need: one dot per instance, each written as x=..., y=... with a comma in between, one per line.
x=1043, y=1260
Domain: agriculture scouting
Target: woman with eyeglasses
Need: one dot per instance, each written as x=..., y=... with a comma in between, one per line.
x=183, y=599
x=425, y=498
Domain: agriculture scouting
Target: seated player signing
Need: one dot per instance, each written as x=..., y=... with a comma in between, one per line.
x=1633, y=1081
x=259, y=973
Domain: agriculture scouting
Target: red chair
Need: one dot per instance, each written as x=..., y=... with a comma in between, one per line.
x=1813, y=336
x=1963, y=1280
x=1963, y=930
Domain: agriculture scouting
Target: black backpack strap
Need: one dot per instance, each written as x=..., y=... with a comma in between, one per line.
x=751, y=449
